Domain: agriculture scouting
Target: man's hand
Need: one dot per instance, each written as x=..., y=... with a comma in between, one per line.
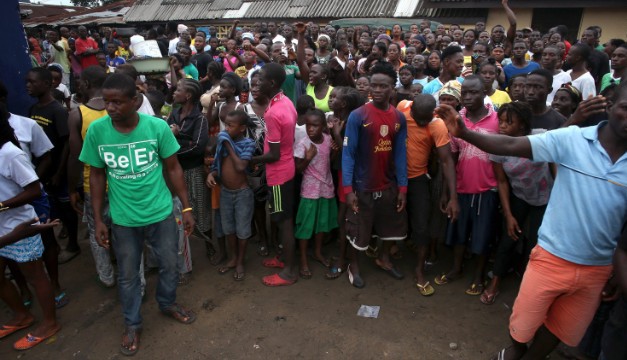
x=76, y=202
x=453, y=120
x=452, y=209
x=30, y=228
x=401, y=201
x=611, y=291
x=175, y=129
x=512, y=227
x=591, y=106
x=188, y=222
x=351, y=201
x=300, y=27
x=102, y=235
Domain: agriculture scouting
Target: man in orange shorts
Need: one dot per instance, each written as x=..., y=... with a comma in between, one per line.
x=571, y=264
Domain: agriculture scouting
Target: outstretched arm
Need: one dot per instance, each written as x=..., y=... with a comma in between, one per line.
x=300, y=51
x=511, y=17
x=493, y=144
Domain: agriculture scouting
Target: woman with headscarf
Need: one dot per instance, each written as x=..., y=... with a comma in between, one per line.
x=191, y=130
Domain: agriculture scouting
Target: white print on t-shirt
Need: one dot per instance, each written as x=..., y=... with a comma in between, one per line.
x=130, y=161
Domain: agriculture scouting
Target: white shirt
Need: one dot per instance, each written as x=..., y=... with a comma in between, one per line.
x=172, y=46
x=32, y=138
x=66, y=92
x=15, y=173
x=146, y=108
x=560, y=78
x=585, y=84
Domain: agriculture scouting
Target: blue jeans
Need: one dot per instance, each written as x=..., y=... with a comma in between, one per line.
x=128, y=247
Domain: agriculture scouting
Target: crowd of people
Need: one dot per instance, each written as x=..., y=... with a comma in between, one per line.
x=508, y=145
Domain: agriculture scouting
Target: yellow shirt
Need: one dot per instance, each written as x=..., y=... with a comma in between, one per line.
x=499, y=98
x=88, y=116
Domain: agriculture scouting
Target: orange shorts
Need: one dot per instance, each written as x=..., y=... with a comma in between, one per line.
x=562, y=295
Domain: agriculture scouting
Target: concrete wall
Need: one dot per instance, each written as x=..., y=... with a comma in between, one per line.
x=612, y=20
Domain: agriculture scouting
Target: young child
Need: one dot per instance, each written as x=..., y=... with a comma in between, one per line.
x=233, y=153
x=57, y=77
x=363, y=86
x=317, y=212
x=406, y=79
x=303, y=105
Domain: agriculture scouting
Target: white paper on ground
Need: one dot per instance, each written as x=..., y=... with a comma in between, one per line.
x=368, y=311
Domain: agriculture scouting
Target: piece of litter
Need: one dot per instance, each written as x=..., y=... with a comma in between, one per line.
x=256, y=346
x=368, y=311
x=453, y=346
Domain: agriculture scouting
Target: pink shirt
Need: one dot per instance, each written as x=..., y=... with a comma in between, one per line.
x=474, y=168
x=280, y=117
x=317, y=179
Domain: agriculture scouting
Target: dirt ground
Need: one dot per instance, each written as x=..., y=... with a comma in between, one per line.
x=313, y=319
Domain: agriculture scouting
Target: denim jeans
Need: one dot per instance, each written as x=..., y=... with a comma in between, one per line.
x=128, y=244
x=100, y=254
x=184, y=253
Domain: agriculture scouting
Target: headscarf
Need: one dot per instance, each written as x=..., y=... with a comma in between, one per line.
x=324, y=36
x=574, y=93
x=180, y=28
x=248, y=35
x=452, y=88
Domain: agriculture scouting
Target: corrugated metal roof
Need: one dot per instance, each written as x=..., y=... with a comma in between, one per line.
x=107, y=14
x=181, y=10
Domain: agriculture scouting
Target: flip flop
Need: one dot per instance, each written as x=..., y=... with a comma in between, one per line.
x=442, y=280
x=355, y=280
x=488, y=299
x=275, y=280
x=475, y=289
x=306, y=274
x=392, y=271
x=61, y=300
x=30, y=341
x=273, y=263
x=179, y=313
x=239, y=276
x=133, y=335
x=6, y=330
x=334, y=272
x=225, y=269
x=426, y=289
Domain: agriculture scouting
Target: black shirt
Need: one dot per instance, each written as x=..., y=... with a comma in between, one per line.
x=550, y=120
x=599, y=65
x=53, y=119
x=201, y=61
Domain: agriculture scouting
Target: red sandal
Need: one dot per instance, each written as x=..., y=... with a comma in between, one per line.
x=273, y=263
x=275, y=280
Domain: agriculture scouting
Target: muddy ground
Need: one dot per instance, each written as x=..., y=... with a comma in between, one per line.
x=313, y=319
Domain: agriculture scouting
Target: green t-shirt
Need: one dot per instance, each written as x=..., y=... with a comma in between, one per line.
x=138, y=194
x=191, y=71
x=607, y=80
x=289, y=85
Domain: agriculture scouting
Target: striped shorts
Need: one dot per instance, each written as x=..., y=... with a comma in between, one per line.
x=282, y=199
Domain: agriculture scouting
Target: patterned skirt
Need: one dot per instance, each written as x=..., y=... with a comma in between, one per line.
x=199, y=197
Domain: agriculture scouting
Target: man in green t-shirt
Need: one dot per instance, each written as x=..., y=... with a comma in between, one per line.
x=132, y=152
x=278, y=55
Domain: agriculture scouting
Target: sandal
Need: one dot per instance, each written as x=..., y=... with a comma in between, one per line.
x=487, y=298
x=180, y=314
x=426, y=289
x=61, y=300
x=392, y=270
x=475, y=289
x=324, y=262
x=30, y=341
x=6, y=330
x=239, y=276
x=306, y=274
x=275, y=280
x=443, y=279
x=273, y=263
x=334, y=272
x=130, y=342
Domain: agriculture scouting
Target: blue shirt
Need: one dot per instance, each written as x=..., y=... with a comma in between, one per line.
x=588, y=203
x=435, y=85
x=511, y=70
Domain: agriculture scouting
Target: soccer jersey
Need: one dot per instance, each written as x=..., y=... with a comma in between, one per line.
x=375, y=150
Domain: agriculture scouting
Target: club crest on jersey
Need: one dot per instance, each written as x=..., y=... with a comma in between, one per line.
x=384, y=130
